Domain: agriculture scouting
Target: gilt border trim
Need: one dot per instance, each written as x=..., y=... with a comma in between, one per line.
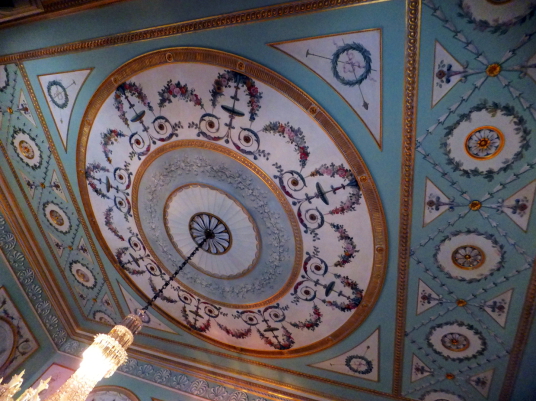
x=69, y=187
x=413, y=19
x=294, y=8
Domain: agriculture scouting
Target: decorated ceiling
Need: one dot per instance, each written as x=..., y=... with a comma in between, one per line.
x=364, y=172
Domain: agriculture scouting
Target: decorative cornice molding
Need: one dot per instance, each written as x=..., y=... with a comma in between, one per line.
x=57, y=8
x=235, y=18
x=413, y=17
x=520, y=342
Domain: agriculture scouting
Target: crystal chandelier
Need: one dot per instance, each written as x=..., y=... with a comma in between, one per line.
x=102, y=358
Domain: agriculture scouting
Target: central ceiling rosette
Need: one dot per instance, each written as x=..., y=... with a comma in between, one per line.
x=182, y=142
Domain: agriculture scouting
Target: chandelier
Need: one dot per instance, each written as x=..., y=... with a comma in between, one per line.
x=107, y=352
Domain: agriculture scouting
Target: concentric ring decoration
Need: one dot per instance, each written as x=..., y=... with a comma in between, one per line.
x=456, y=341
x=193, y=209
x=82, y=274
x=215, y=139
x=486, y=139
x=57, y=217
x=469, y=255
x=26, y=148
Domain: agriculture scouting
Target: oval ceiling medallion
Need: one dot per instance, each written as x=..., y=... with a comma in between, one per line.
x=216, y=144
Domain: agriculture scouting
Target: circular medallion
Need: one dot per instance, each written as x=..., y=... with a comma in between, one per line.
x=103, y=317
x=441, y=395
x=8, y=333
x=82, y=274
x=476, y=144
x=469, y=255
x=197, y=210
x=163, y=161
x=484, y=142
x=111, y=393
x=456, y=341
x=57, y=217
x=57, y=93
x=359, y=364
x=206, y=226
x=26, y=148
x=496, y=16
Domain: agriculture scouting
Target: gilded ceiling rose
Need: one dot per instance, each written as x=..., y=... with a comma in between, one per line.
x=186, y=141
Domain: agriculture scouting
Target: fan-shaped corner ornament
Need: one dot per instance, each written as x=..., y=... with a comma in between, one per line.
x=186, y=139
x=351, y=64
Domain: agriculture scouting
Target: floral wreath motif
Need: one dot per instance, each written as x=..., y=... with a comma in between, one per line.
x=44, y=207
x=6, y=84
x=498, y=246
x=95, y=313
x=361, y=359
x=491, y=108
x=17, y=131
x=358, y=47
x=476, y=332
x=498, y=27
x=50, y=85
x=74, y=262
x=431, y=392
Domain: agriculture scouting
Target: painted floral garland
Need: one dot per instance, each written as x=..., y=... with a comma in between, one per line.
x=494, y=27
x=52, y=97
x=6, y=84
x=294, y=135
x=492, y=108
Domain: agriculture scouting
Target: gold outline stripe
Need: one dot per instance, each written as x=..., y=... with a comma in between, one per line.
x=234, y=18
x=74, y=201
x=413, y=11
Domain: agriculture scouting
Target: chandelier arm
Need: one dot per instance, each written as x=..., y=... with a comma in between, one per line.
x=172, y=277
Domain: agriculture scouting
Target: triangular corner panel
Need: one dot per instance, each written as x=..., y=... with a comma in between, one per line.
x=24, y=109
x=61, y=90
x=447, y=73
x=150, y=321
x=427, y=298
x=498, y=307
x=418, y=369
x=518, y=206
x=361, y=361
x=435, y=202
x=482, y=382
x=351, y=64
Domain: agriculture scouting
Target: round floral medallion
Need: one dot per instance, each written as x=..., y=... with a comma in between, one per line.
x=469, y=255
x=484, y=142
x=232, y=247
x=26, y=148
x=456, y=341
x=57, y=217
x=177, y=150
x=476, y=144
x=111, y=393
x=441, y=395
x=103, y=317
x=82, y=274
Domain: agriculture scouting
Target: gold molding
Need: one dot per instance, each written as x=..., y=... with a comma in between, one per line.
x=118, y=389
x=195, y=143
x=70, y=190
x=302, y=100
x=521, y=339
x=57, y=8
x=290, y=9
x=10, y=209
x=411, y=72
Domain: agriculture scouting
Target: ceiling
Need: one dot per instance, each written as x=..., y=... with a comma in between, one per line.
x=366, y=167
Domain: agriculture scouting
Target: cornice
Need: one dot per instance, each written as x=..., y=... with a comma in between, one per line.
x=300, y=7
x=9, y=207
x=411, y=73
x=57, y=8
